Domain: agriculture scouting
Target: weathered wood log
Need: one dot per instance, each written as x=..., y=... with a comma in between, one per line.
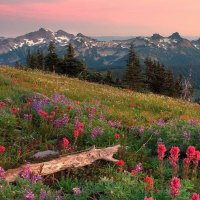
x=62, y=163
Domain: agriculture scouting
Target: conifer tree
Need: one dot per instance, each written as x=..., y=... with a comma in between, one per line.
x=71, y=65
x=133, y=75
x=40, y=59
x=178, y=87
x=109, y=78
x=28, y=58
x=51, y=59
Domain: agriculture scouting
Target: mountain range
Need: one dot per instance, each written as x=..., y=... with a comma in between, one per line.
x=175, y=52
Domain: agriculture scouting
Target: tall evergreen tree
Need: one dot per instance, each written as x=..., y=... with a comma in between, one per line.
x=71, y=65
x=28, y=58
x=178, y=87
x=109, y=78
x=169, y=85
x=40, y=59
x=133, y=76
x=51, y=59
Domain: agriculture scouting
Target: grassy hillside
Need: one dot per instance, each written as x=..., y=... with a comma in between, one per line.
x=124, y=105
x=159, y=140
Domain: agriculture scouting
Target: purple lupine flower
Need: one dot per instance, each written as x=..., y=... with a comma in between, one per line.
x=76, y=121
x=35, y=178
x=92, y=113
x=59, y=98
x=160, y=122
x=76, y=191
x=96, y=131
x=159, y=141
x=114, y=124
x=101, y=117
x=26, y=173
x=186, y=135
x=138, y=167
x=79, y=111
x=2, y=173
x=58, y=123
x=27, y=116
x=141, y=130
x=39, y=103
x=28, y=195
x=43, y=194
x=58, y=195
x=193, y=122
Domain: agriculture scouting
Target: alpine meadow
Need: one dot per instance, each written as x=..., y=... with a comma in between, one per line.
x=111, y=113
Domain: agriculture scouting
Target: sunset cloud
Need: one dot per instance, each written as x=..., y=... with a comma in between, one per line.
x=102, y=17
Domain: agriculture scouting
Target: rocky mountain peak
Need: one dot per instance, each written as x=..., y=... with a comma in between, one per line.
x=156, y=36
x=175, y=36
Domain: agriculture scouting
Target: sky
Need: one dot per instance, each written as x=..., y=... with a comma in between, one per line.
x=101, y=17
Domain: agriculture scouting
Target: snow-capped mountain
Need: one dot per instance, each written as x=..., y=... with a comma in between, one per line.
x=172, y=51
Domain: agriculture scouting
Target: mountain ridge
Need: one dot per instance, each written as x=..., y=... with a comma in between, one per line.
x=173, y=50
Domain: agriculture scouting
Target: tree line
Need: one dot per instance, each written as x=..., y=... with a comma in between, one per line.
x=155, y=77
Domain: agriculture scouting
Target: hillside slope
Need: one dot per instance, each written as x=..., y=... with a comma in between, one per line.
x=127, y=106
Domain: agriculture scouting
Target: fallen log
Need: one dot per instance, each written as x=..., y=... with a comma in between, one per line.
x=71, y=161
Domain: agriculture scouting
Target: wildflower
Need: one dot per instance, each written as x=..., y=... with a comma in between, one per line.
x=174, y=187
x=2, y=104
x=43, y=194
x=160, y=122
x=138, y=167
x=190, y=152
x=60, y=122
x=26, y=173
x=96, y=131
x=69, y=107
x=76, y=191
x=173, y=159
x=149, y=181
x=186, y=135
x=117, y=136
x=30, y=101
x=101, y=117
x=193, y=122
x=28, y=195
x=195, y=196
x=35, y=178
x=148, y=198
x=76, y=133
x=141, y=130
x=161, y=149
x=28, y=116
x=15, y=110
x=2, y=172
x=196, y=158
x=120, y=163
x=2, y=149
x=133, y=104
x=134, y=171
x=55, y=108
x=65, y=143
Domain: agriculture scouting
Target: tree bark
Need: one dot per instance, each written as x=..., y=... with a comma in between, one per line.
x=64, y=162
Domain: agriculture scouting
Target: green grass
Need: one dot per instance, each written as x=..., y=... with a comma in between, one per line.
x=117, y=102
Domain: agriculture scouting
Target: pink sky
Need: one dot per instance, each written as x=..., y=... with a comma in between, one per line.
x=101, y=17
